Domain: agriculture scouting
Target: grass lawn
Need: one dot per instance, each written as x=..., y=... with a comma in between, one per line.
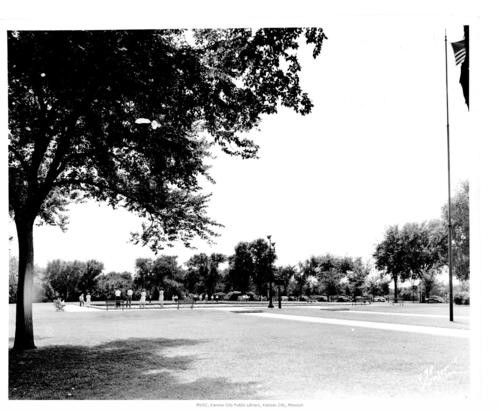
x=215, y=354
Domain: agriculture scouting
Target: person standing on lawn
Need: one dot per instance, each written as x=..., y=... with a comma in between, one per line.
x=82, y=300
x=129, y=297
x=160, y=298
x=88, y=299
x=118, y=294
x=142, y=302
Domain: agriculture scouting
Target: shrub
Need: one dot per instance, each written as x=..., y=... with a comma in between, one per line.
x=407, y=294
x=320, y=298
x=221, y=295
x=233, y=295
x=252, y=296
x=462, y=298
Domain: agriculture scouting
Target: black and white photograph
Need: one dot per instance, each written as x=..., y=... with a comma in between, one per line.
x=268, y=210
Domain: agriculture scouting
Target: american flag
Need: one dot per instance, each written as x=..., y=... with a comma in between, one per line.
x=459, y=50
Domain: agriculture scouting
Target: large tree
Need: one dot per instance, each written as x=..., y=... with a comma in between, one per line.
x=88, y=281
x=391, y=257
x=285, y=273
x=143, y=272
x=69, y=279
x=203, y=270
x=426, y=246
x=460, y=231
x=251, y=266
x=356, y=278
x=330, y=272
x=263, y=257
x=163, y=272
x=241, y=267
x=414, y=251
x=167, y=274
x=126, y=117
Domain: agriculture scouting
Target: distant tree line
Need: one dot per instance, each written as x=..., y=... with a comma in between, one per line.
x=415, y=252
x=247, y=271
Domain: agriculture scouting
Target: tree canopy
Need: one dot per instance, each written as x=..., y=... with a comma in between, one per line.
x=124, y=117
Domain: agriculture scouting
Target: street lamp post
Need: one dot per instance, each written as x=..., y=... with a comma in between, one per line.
x=279, y=297
x=271, y=249
x=279, y=283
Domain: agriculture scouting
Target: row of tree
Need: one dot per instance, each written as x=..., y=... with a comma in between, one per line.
x=326, y=275
x=247, y=271
x=415, y=251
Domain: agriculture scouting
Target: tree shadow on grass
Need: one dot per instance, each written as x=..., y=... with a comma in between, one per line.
x=133, y=368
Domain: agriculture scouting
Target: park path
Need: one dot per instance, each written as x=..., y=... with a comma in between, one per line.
x=378, y=312
x=430, y=330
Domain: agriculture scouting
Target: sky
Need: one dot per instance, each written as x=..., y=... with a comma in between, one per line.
x=371, y=154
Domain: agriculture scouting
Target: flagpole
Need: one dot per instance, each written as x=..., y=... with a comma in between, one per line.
x=450, y=268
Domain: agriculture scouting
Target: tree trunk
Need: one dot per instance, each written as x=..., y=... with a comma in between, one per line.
x=24, y=317
x=395, y=289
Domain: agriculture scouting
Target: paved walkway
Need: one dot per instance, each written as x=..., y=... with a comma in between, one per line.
x=75, y=308
x=437, y=331
x=376, y=312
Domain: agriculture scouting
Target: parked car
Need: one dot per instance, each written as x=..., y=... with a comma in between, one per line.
x=304, y=298
x=342, y=298
x=435, y=299
x=320, y=298
x=363, y=299
x=379, y=299
x=233, y=295
x=220, y=296
x=252, y=296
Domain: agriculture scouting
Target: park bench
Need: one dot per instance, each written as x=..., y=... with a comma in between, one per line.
x=398, y=302
x=185, y=302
